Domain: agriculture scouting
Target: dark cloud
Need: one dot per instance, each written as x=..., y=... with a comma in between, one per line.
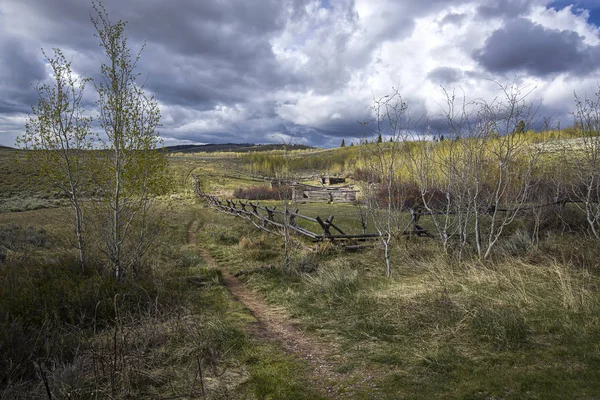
x=504, y=9
x=453, y=18
x=445, y=75
x=524, y=46
x=19, y=73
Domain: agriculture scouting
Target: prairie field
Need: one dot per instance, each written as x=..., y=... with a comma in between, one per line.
x=220, y=309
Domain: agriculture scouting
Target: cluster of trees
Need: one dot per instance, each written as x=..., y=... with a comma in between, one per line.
x=492, y=174
x=110, y=189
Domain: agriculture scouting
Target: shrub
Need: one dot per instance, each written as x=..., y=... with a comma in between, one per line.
x=407, y=195
x=48, y=306
x=365, y=175
x=262, y=193
x=15, y=237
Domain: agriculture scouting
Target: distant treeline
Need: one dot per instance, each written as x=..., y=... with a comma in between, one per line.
x=231, y=147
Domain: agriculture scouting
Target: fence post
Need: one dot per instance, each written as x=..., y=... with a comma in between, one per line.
x=270, y=213
x=325, y=225
x=293, y=217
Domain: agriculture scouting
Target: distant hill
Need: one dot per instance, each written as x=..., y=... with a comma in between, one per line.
x=6, y=148
x=231, y=147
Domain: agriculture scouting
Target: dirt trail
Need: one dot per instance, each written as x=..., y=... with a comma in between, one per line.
x=273, y=324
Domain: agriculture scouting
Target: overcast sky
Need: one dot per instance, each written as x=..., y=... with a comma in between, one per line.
x=262, y=70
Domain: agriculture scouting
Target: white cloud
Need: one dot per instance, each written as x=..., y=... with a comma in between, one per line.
x=567, y=19
x=292, y=68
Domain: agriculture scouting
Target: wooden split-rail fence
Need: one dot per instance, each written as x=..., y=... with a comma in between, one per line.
x=276, y=221
x=272, y=220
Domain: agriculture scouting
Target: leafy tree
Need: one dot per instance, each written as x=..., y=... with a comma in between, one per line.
x=58, y=133
x=343, y=143
x=132, y=167
x=379, y=138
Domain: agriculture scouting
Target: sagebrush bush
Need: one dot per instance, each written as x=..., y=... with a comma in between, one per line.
x=16, y=237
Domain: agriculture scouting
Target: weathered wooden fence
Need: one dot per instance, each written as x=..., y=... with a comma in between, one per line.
x=276, y=221
x=272, y=220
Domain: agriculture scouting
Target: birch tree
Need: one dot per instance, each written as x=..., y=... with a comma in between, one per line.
x=383, y=160
x=131, y=165
x=58, y=133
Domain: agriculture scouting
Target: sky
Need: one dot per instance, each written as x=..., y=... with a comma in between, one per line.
x=306, y=71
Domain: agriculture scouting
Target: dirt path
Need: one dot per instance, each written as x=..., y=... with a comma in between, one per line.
x=273, y=324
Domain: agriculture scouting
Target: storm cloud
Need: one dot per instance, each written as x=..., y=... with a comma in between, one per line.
x=260, y=71
x=522, y=46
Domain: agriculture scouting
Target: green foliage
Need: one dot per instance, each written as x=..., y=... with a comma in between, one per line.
x=266, y=164
x=57, y=130
x=59, y=134
x=131, y=170
x=340, y=160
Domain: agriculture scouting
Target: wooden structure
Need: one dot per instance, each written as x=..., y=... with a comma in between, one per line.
x=307, y=193
x=330, y=180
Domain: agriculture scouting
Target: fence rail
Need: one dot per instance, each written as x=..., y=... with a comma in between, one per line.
x=264, y=217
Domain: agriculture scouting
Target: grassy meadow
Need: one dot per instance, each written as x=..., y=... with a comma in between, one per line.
x=522, y=324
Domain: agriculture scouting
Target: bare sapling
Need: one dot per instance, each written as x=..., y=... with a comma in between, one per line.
x=432, y=167
x=287, y=201
x=383, y=160
x=493, y=167
x=512, y=160
x=583, y=157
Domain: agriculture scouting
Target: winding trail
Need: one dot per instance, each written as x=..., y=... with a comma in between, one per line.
x=274, y=325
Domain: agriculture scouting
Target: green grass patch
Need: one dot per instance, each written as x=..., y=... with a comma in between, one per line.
x=440, y=328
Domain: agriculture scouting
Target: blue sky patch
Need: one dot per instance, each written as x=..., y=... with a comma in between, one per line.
x=593, y=6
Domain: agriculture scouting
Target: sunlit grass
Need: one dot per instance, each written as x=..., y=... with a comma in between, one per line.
x=517, y=327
